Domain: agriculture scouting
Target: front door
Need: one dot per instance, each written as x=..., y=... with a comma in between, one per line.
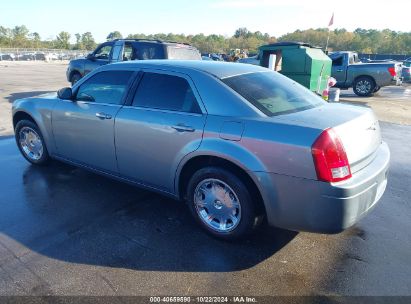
x=100, y=56
x=84, y=128
x=339, y=70
x=164, y=122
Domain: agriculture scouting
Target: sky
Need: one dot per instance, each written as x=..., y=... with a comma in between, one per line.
x=223, y=17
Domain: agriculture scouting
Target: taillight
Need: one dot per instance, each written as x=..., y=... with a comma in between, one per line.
x=330, y=159
x=392, y=71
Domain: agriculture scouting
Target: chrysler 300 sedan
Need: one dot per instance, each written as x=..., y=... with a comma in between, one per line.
x=240, y=144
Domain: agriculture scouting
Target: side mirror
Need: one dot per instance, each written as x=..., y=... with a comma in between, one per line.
x=65, y=93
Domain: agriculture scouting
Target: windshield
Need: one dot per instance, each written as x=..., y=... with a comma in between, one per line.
x=273, y=93
x=187, y=53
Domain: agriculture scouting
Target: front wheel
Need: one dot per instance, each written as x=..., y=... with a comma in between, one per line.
x=31, y=143
x=364, y=86
x=221, y=203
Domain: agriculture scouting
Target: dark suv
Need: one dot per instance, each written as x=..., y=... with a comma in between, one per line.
x=129, y=49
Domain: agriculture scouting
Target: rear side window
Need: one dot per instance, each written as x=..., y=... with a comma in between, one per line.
x=183, y=52
x=105, y=87
x=165, y=92
x=145, y=51
x=273, y=93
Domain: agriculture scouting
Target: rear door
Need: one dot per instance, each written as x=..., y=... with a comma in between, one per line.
x=163, y=122
x=84, y=128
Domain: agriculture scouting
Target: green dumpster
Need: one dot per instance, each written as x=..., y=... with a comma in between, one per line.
x=299, y=61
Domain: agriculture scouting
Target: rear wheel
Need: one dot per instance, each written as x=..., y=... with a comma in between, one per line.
x=221, y=203
x=31, y=143
x=364, y=86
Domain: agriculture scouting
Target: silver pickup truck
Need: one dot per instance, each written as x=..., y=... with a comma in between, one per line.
x=364, y=78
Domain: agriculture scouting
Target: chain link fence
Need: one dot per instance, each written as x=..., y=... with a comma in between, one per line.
x=20, y=54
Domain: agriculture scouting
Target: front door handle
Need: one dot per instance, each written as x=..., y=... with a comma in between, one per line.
x=183, y=128
x=103, y=115
x=339, y=70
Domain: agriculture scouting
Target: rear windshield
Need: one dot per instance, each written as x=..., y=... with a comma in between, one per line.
x=183, y=52
x=273, y=93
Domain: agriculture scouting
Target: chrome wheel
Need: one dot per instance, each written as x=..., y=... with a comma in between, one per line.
x=217, y=205
x=363, y=87
x=31, y=143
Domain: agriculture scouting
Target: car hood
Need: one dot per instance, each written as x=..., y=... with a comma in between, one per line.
x=78, y=63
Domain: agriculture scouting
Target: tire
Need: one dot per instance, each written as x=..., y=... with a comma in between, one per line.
x=229, y=204
x=376, y=89
x=364, y=86
x=31, y=143
x=74, y=78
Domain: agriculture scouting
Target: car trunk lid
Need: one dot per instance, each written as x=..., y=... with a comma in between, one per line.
x=357, y=127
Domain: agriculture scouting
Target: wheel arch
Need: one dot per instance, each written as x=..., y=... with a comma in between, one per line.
x=200, y=161
x=22, y=115
x=36, y=118
x=74, y=72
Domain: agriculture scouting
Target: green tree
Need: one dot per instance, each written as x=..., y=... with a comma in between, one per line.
x=20, y=36
x=114, y=35
x=6, y=36
x=88, y=42
x=63, y=40
x=35, y=39
x=242, y=32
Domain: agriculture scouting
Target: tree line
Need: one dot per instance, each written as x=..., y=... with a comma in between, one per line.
x=360, y=40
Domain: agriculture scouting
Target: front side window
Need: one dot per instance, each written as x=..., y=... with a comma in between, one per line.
x=338, y=61
x=107, y=87
x=165, y=92
x=103, y=52
x=272, y=93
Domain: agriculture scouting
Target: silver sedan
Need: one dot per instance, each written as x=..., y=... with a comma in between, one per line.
x=240, y=144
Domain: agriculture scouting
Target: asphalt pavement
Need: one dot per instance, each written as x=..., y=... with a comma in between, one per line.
x=66, y=231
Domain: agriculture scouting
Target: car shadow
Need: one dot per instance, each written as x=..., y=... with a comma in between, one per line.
x=14, y=96
x=70, y=214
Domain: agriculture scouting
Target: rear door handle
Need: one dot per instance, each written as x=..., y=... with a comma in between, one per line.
x=339, y=70
x=103, y=115
x=183, y=128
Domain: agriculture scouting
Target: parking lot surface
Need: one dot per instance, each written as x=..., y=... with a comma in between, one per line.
x=65, y=231
x=391, y=104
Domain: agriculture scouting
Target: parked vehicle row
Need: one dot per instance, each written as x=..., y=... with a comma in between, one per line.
x=239, y=143
x=38, y=56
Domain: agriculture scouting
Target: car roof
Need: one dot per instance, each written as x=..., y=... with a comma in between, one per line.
x=218, y=69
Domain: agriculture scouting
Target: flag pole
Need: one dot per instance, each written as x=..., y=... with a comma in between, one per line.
x=328, y=38
x=329, y=28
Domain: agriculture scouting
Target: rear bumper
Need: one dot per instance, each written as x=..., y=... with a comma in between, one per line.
x=308, y=205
